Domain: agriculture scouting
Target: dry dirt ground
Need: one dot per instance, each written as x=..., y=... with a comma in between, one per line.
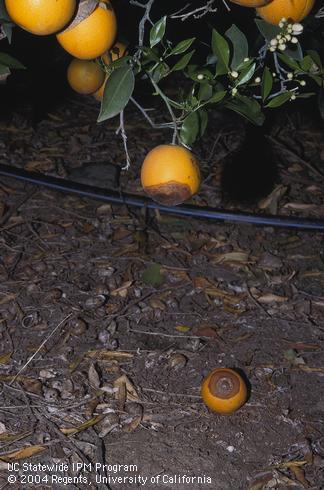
x=110, y=318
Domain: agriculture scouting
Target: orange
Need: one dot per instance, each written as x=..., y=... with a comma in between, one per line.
x=251, y=3
x=224, y=391
x=92, y=36
x=170, y=174
x=85, y=77
x=294, y=10
x=117, y=51
x=41, y=17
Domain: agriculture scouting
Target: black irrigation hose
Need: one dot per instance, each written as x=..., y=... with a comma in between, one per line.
x=139, y=201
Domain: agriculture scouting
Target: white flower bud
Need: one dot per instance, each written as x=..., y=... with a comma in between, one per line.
x=283, y=19
x=297, y=29
x=246, y=59
x=234, y=74
x=278, y=36
x=281, y=24
x=200, y=76
x=281, y=41
x=302, y=83
x=282, y=47
x=257, y=80
x=234, y=91
x=288, y=37
x=272, y=49
x=294, y=40
x=290, y=76
x=293, y=97
x=274, y=74
x=289, y=29
x=274, y=42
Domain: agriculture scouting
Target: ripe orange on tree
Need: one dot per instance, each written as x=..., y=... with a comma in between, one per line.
x=117, y=51
x=85, y=77
x=93, y=35
x=170, y=174
x=294, y=10
x=41, y=17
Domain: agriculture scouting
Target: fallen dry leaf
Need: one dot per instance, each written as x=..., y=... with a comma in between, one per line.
x=130, y=388
x=23, y=453
x=122, y=291
x=107, y=355
x=5, y=357
x=85, y=425
x=269, y=298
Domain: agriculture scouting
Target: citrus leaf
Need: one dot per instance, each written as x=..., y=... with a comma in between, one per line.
x=289, y=61
x=249, y=108
x=182, y=46
x=246, y=75
x=190, y=129
x=240, y=46
x=10, y=62
x=182, y=63
x=217, y=97
x=157, y=32
x=266, y=84
x=153, y=275
x=3, y=12
x=118, y=90
x=221, y=49
x=279, y=100
x=268, y=31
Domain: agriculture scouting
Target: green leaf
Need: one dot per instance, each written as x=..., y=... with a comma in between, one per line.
x=217, y=97
x=240, y=46
x=288, y=61
x=295, y=52
x=246, y=75
x=268, y=31
x=306, y=63
x=118, y=90
x=182, y=46
x=203, y=116
x=183, y=62
x=7, y=30
x=205, y=92
x=7, y=60
x=152, y=276
x=279, y=100
x=190, y=129
x=3, y=12
x=4, y=72
x=315, y=57
x=249, y=108
x=221, y=49
x=157, y=32
x=160, y=71
x=266, y=84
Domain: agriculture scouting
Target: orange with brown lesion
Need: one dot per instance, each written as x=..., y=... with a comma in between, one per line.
x=224, y=391
x=170, y=174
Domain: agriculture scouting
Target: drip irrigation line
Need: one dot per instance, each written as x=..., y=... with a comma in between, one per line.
x=115, y=197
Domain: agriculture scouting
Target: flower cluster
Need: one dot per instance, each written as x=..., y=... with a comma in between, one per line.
x=288, y=34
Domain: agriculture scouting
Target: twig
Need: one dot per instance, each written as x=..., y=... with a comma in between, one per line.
x=39, y=348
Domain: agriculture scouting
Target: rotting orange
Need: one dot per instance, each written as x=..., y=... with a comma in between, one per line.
x=224, y=391
x=170, y=174
x=294, y=10
x=117, y=51
x=92, y=36
x=41, y=17
x=251, y=3
x=85, y=77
